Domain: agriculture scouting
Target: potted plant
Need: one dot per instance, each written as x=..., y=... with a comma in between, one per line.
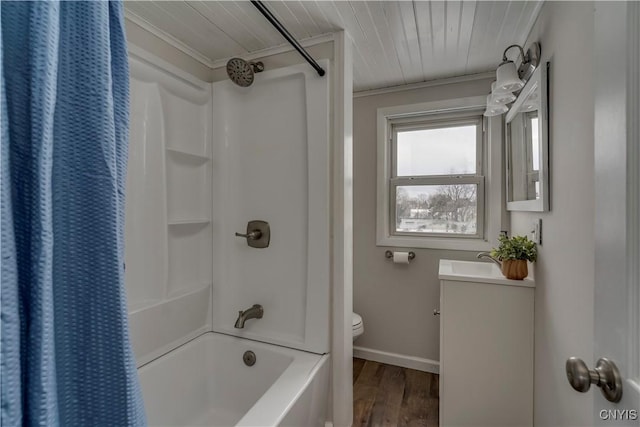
x=513, y=253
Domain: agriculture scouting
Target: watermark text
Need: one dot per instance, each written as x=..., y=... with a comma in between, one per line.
x=618, y=414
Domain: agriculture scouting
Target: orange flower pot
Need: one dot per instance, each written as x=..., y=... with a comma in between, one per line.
x=515, y=269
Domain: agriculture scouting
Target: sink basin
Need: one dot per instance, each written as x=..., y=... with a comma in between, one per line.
x=482, y=272
x=479, y=269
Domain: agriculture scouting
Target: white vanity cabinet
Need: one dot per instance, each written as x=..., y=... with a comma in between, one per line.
x=486, y=346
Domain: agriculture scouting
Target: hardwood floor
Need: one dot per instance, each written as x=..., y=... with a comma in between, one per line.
x=386, y=395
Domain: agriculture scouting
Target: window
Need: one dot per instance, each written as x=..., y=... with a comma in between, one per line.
x=436, y=184
x=440, y=176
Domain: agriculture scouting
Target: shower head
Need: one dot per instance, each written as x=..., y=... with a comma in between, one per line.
x=241, y=72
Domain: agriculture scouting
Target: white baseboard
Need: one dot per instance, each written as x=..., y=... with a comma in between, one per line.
x=411, y=362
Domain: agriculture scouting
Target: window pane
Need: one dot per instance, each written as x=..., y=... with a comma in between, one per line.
x=450, y=208
x=440, y=151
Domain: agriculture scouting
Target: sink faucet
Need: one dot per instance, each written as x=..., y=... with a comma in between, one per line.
x=254, y=312
x=488, y=255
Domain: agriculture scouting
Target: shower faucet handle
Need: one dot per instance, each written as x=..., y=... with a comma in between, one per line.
x=258, y=234
x=253, y=235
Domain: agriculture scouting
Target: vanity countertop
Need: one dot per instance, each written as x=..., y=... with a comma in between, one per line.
x=481, y=272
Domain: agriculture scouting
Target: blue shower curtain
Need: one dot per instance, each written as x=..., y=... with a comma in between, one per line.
x=65, y=355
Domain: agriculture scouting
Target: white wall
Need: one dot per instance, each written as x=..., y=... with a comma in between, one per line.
x=564, y=271
x=395, y=301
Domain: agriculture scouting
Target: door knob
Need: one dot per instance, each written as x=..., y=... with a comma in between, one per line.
x=606, y=376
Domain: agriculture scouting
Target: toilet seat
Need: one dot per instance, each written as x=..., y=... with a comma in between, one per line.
x=357, y=325
x=356, y=320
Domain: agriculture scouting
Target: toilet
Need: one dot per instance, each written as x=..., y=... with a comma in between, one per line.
x=358, y=326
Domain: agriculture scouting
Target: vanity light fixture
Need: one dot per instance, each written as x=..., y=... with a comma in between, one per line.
x=501, y=98
x=510, y=79
x=494, y=109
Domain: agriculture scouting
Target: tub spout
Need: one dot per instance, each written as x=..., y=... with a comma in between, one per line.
x=488, y=255
x=254, y=312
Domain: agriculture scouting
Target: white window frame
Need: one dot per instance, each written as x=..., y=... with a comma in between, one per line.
x=395, y=181
x=491, y=204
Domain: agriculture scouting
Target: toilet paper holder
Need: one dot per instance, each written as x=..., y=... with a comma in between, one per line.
x=389, y=255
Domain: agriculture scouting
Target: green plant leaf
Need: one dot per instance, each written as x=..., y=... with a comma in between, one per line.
x=516, y=247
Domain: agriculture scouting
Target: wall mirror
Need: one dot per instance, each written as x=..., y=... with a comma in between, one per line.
x=527, y=146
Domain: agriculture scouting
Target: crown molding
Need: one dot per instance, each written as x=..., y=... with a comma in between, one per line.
x=421, y=85
x=167, y=38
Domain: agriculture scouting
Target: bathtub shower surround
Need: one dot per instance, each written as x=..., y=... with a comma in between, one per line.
x=231, y=190
x=271, y=151
x=66, y=357
x=168, y=215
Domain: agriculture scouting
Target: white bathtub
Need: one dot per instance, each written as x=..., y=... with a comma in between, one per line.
x=206, y=383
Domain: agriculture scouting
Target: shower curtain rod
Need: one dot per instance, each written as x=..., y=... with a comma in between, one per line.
x=287, y=35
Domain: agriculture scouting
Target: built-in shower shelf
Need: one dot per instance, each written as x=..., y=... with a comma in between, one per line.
x=199, y=158
x=190, y=221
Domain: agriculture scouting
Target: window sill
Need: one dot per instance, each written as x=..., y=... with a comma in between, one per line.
x=445, y=243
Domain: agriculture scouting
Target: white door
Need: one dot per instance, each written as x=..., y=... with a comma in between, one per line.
x=617, y=206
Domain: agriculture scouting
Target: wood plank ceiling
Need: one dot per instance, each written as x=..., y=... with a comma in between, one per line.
x=395, y=42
